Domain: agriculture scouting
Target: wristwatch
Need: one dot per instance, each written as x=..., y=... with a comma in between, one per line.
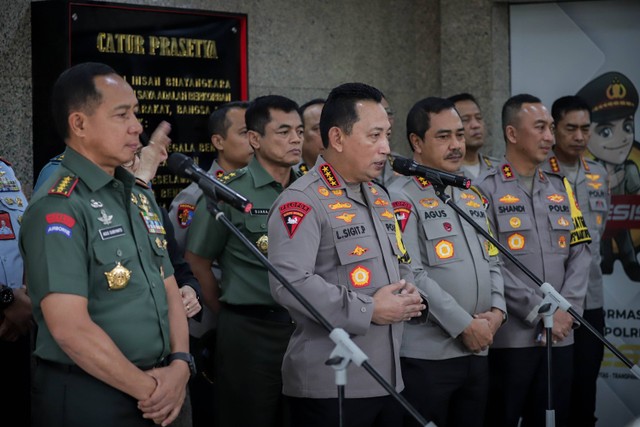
x=6, y=297
x=187, y=357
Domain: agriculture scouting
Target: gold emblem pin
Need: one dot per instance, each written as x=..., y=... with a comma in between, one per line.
x=263, y=244
x=144, y=202
x=118, y=278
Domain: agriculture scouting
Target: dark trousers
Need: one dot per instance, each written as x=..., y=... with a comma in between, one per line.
x=518, y=386
x=15, y=358
x=382, y=411
x=588, y=352
x=69, y=397
x=248, y=366
x=450, y=392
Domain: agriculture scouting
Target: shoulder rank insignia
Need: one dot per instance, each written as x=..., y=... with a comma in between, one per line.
x=553, y=162
x=329, y=175
x=507, y=173
x=422, y=182
x=232, y=175
x=64, y=186
x=585, y=164
x=218, y=173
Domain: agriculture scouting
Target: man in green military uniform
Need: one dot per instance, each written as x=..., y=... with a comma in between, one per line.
x=107, y=306
x=253, y=330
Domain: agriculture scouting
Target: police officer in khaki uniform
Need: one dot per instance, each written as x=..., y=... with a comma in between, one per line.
x=536, y=217
x=333, y=235
x=253, y=330
x=105, y=300
x=15, y=306
x=444, y=363
x=475, y=163
x=589, y=181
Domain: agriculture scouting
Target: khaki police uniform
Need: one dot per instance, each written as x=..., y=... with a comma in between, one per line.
x=337, y=248
x=460, y=271
x=592, y=194
x=486, y=163
x=591, y=191
x=546, y=232
x=99, y=237
x=301, y=169
x=253, y=330
x=13, y=355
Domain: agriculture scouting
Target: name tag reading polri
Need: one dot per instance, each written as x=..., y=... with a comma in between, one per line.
x=152, y=222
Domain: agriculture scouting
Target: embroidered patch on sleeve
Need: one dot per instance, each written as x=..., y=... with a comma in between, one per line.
x=402, y=210
x=185, y=214
x=292, y=214
x=60, y=223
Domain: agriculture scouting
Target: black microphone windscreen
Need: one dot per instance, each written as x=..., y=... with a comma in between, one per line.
x=402, y=165
x=178, y=163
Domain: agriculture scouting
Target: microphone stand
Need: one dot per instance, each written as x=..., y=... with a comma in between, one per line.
x=551, y=302
x=345, y=351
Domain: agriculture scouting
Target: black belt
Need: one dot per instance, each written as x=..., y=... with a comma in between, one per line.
x=262, y=312
x=63, y=367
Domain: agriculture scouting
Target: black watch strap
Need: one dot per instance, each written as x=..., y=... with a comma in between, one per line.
x=186, y=357
x=6, y=296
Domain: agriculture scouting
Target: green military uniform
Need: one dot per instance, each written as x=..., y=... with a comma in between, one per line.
x=99, y=237
x=253, y=330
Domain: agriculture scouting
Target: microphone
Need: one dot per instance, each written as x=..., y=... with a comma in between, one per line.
x=409, y=167
x=182, y=165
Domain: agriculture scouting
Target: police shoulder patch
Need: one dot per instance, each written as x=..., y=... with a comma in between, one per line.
x=292, y=214
x=64, y=186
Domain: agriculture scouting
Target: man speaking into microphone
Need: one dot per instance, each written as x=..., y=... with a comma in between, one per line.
x=444, y=363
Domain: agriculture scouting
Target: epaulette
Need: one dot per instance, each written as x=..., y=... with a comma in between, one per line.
x=421, y=181
x=141, y=183
x=489, y=161
x=57, y=158
x=587, y=162
x=64, y=186
x=330, y=178
x=554, y=164
x=233, y=175
x=507, y=172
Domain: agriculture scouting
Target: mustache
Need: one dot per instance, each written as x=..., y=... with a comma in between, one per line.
x=454, y=153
